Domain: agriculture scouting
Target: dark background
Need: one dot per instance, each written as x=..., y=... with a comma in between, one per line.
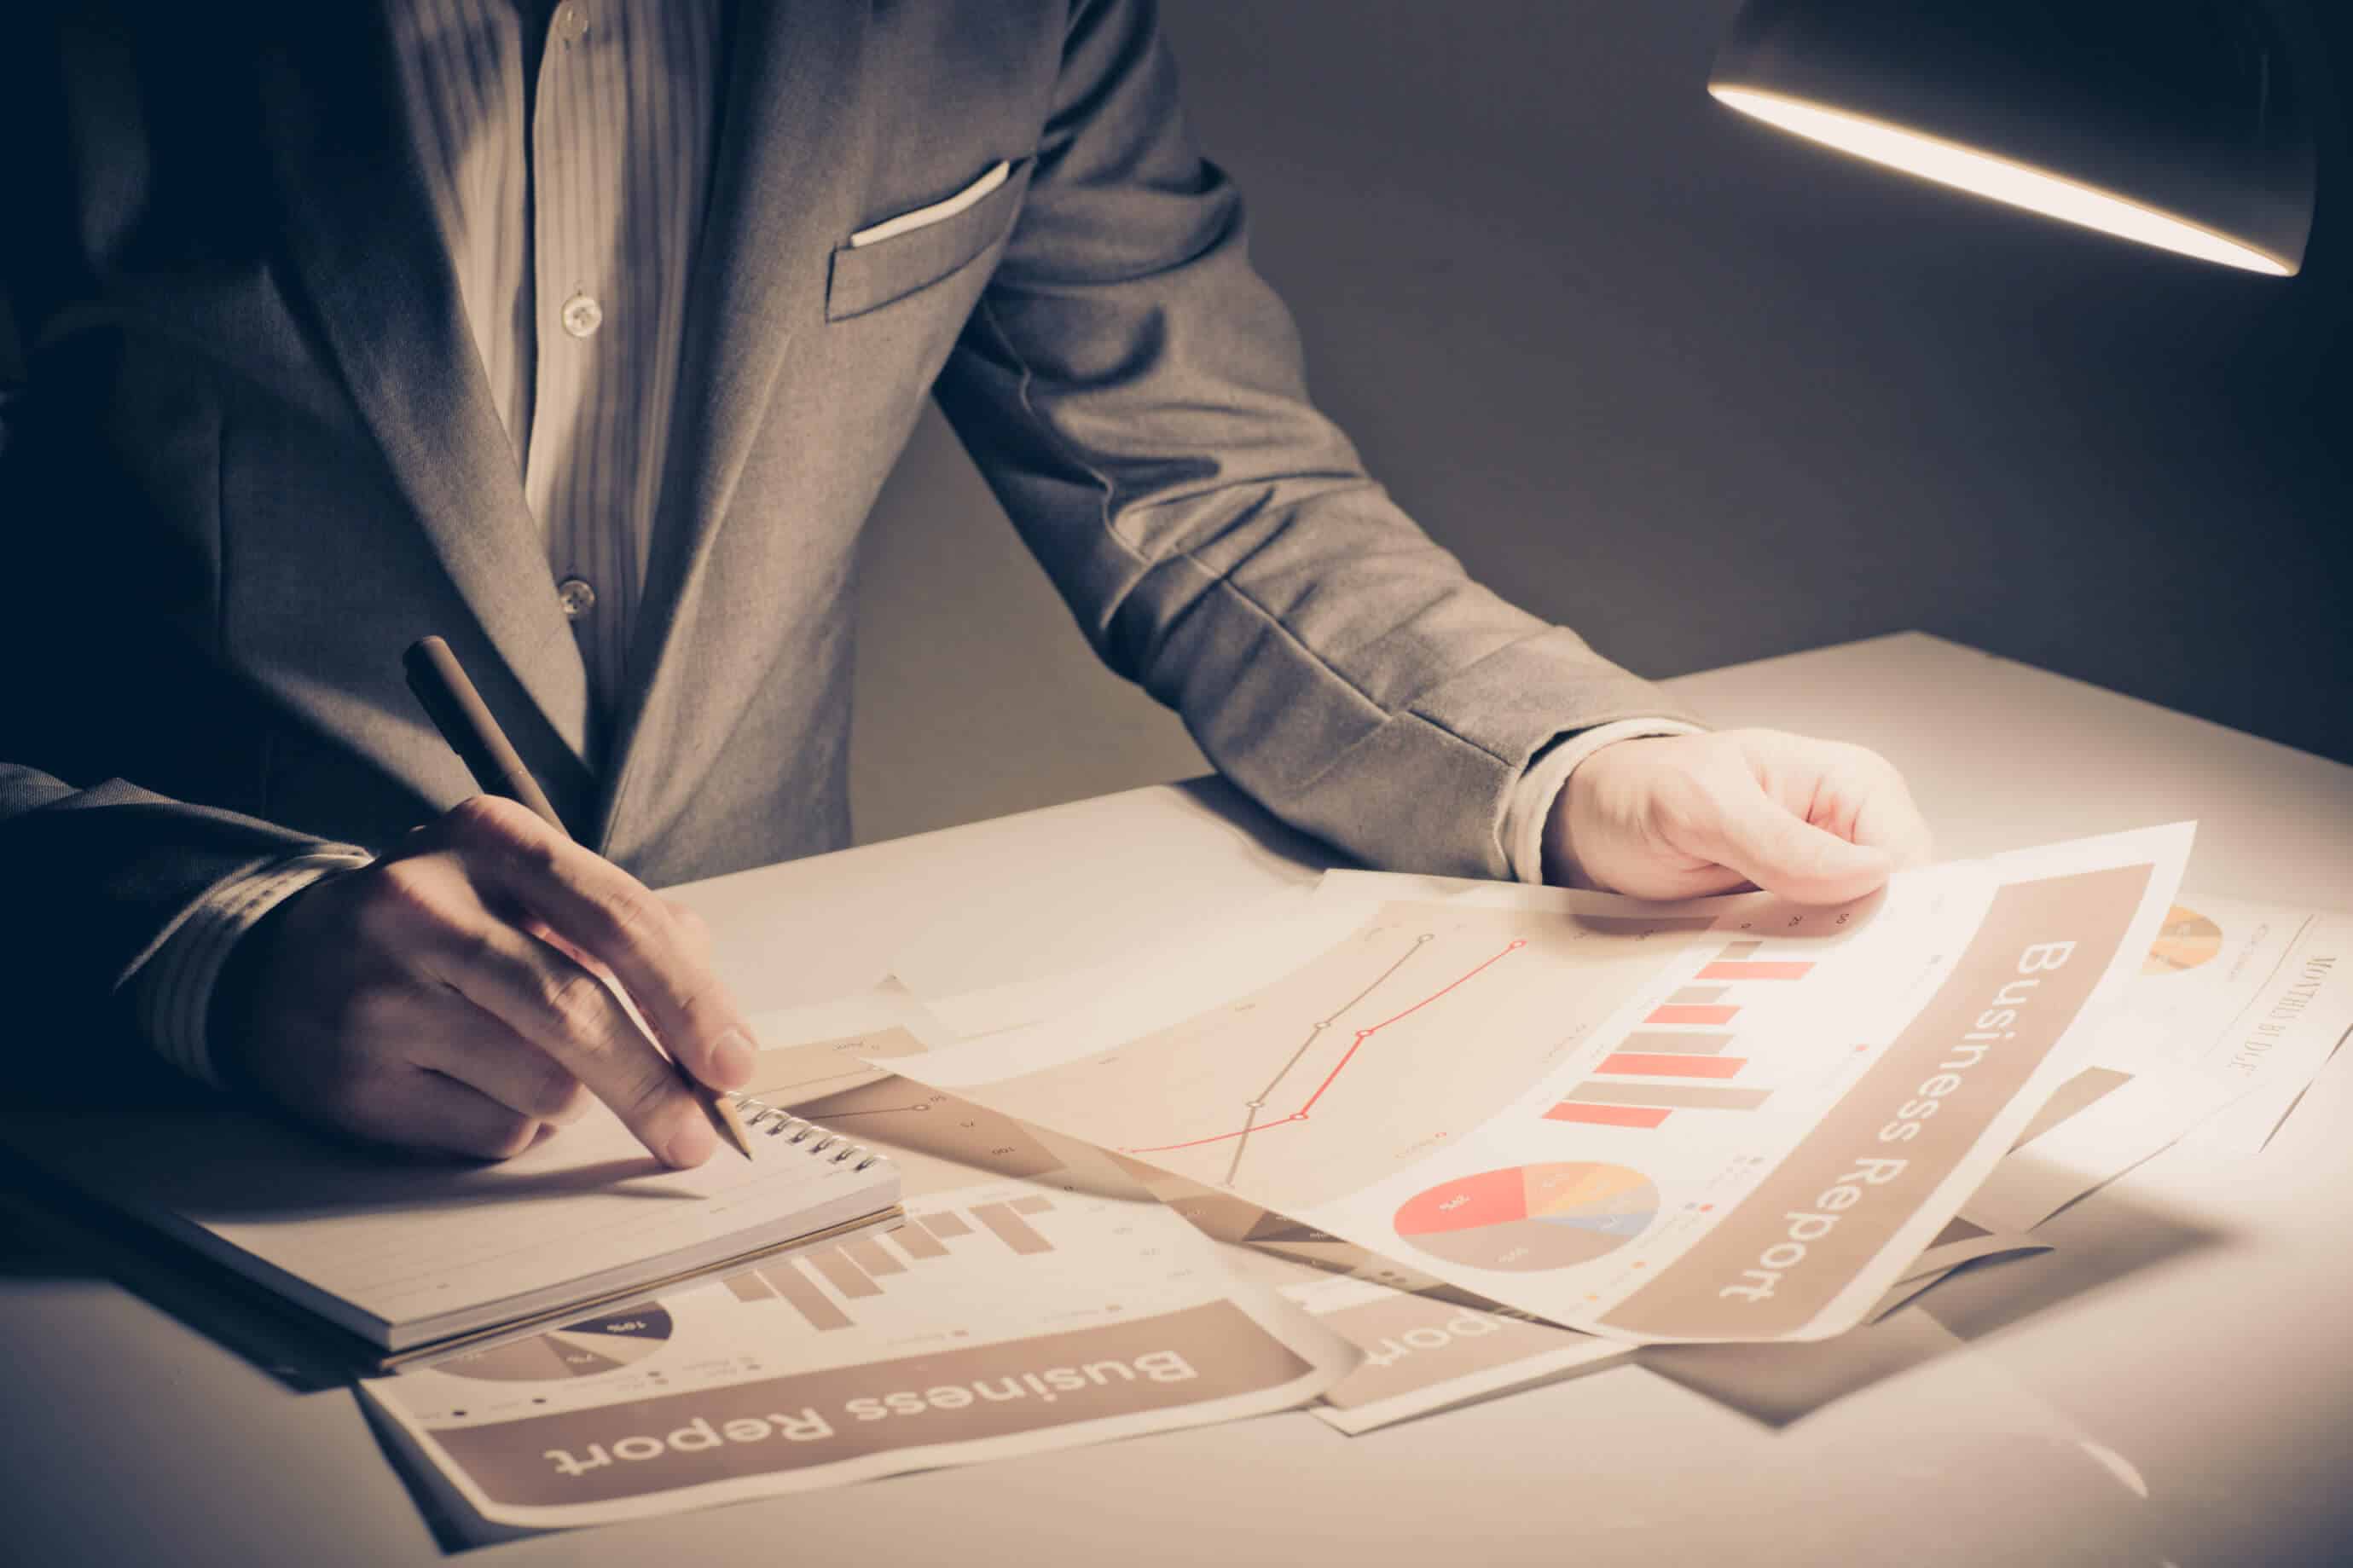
x=1700, y=390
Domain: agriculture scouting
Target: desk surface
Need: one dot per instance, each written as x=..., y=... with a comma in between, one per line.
x=2173, y=1384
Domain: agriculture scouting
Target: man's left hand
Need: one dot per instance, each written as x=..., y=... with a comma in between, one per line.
x=1682, y=816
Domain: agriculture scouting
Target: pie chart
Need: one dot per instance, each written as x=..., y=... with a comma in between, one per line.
x=1523, y=1218
x=576, y=1349
x=2184, y=940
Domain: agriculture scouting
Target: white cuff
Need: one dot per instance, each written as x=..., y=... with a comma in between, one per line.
x=173, y=990
x=1532, y=798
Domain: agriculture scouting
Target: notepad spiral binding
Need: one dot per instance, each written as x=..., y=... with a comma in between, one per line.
x=759, y=1116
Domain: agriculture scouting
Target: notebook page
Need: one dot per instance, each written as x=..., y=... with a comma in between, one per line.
x=452, y=1245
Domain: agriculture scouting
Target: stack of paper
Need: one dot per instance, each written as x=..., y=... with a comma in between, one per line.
x=1494, y=1136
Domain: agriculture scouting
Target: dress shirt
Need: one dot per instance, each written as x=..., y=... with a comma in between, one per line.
x=568, y=154
x=568, y=161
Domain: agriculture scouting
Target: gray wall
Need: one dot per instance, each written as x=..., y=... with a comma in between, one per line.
x=1700, y=391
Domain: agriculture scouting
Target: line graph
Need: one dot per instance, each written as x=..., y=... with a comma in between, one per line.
x=1314, y=1032
x=1416, y=1027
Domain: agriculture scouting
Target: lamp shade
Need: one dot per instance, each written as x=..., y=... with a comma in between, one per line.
x=2173, y=123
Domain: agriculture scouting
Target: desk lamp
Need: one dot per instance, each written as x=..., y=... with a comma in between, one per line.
x=2172, y=122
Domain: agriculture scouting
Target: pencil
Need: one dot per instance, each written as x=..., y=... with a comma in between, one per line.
x=458, y=711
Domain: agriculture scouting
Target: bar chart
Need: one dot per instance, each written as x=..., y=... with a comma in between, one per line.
x=856, y=1269
x=1685, y=1054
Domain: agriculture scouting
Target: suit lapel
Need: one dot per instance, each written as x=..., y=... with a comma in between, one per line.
x=364, y=241
x=785, y=159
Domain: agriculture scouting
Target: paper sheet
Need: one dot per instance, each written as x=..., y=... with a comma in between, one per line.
x=1427, y=1350
x=405, y=1252
x=1733, y=1118
x=1960, y=1244
x=1209, y=855
x=1002, y=1319
x=2258, y=995
x=2092, y=1147
x=1422, y=1354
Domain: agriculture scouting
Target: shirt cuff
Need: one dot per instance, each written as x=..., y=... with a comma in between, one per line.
x=1531, y=805
x=173, y=990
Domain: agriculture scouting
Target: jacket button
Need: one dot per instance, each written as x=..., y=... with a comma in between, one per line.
x=577, y=596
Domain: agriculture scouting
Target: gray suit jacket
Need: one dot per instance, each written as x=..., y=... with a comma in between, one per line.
x=251, y=455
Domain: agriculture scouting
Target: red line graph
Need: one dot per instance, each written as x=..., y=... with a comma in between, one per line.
x=1339, y=1067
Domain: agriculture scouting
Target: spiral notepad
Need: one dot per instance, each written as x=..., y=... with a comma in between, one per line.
x=776, y=1121
x=415, y=1257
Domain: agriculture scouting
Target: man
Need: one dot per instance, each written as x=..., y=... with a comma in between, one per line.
x=584, y=335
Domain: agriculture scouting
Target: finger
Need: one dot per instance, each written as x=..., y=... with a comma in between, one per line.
x=604, y=910
x=691, y=922
x=1850, y=791
x=565, y=945
x=417, y=1108
x=460, y=1041
x=569, y=1013
x=1784, y=853
x=1890, y=821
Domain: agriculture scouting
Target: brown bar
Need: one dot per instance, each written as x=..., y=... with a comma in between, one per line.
x=917, y=1242
x=1697, y=995
x=810, y=1302
x=1011, y=1229
x=1697, y=1096
x=1738, y=950
x=944, y=1226
x=1036, y=1202
x=835, y=1265
x=749, y=1287
x=871, y=1257
x=1643, y=925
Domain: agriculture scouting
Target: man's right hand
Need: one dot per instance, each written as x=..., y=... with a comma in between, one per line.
x=427, y=999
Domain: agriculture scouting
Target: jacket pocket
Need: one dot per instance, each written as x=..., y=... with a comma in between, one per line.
x=916, y=251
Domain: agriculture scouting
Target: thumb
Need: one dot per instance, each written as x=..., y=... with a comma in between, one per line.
x=1783, y=853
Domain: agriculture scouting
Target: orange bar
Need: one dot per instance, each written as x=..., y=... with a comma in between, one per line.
x=1755, y=969
x=1673, y=1013
x=1645, y=1066
x=1606, y=1115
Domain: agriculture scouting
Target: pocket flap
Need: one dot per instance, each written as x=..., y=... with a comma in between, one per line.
x=892, y=260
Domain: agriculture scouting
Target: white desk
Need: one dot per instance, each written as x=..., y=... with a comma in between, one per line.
x=2193, y=1329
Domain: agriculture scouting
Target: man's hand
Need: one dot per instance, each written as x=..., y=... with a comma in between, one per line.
x=429, y=999
x=1683, y=816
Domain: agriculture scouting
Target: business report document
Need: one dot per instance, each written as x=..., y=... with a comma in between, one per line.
x=1036, y=1300
x=1727, y=1120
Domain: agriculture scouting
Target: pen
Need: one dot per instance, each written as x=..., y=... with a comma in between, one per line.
x=458, y=711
